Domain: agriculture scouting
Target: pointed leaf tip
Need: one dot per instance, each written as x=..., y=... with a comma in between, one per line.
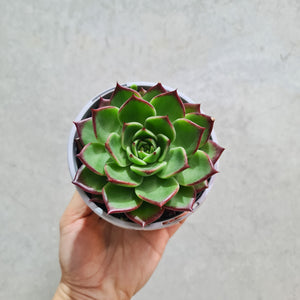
x=89, y=181
x=154, y=91
x=104, y=102
x=192, y=107
x=121, y=94
x=213, y=150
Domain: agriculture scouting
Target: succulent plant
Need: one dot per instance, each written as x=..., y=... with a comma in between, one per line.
x=144, y=152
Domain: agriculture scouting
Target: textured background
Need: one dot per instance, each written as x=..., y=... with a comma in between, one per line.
x=239, y=59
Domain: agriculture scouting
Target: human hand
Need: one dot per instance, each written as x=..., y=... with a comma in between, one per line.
x=101, y=261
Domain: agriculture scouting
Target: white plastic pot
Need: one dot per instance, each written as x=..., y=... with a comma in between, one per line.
x=73, y=167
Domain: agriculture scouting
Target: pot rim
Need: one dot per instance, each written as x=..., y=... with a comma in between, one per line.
x=96, y=209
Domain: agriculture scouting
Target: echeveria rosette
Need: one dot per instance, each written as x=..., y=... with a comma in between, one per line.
x=146, y=152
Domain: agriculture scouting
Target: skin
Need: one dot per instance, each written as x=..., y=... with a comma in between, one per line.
x=101, y=261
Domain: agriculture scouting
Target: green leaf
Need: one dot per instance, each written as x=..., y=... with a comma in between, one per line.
x=176, y=162
x=135, y=110
x=200, y=169
x=157, y=191
x=121, y=94
x=164, y=143
x=213, y=150
x=145, y=214
x=201, y=186
x=143, y=134
x=128, y=131
x=119, y=199
x=113, y=146
x=152, y=157
x=204, y=121
x=94, y=156
x=168, y=104
x=122, y=176
x=192, y=107
x=133, y=158
x=149, y=169
x=134, y=87
x=142, y=155
x=183, y=200
x=161, y=124
x=86, y=131
x=154, y=91
x=89, y=181
x=105, y=121
x=188, y=135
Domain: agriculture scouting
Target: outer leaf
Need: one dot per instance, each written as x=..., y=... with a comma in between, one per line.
x=169, y=104
x=154, y=91
x=164, y=144
x=157, y=191
x=183, y=200
x=89, y=181
x=128, y=131
x=113, y=146
x=176, y=162
x=119, y=199
x=213, y=150
x=161, y=124
x=85, y=131
x=121, y=94
x=204, y=121
x=188, y=135
x=142, y=91
x=105, y=121
x=135, y=110
x=192, y=107
x=94, y=156
x=122, y=176
x=134, y=159
x=145, y=214
x=199, y=187
x=149, y=169
x=104, y=102
x=200, y=169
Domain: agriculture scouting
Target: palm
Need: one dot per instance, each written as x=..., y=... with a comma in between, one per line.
x=94, y=252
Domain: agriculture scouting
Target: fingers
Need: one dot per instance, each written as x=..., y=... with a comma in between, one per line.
x=172, y=229
x=75, y=210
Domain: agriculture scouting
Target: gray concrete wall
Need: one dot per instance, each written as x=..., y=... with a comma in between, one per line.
x=239, y=59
